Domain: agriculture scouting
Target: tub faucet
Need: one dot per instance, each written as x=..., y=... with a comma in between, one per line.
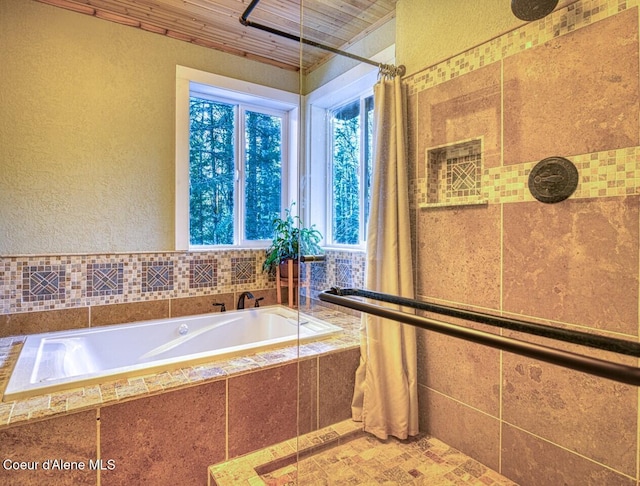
x=222, y=306
x=241, y=299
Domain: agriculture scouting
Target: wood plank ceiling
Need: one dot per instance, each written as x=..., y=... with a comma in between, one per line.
x=215, y=24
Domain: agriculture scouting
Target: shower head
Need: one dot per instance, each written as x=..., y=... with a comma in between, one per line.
x=532, y=9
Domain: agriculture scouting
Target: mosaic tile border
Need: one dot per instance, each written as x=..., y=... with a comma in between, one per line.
x=86, y=280
x=38, y=283
x=573, y=17
x=612, y=173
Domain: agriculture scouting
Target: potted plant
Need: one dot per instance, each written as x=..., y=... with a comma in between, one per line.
x=290, y=240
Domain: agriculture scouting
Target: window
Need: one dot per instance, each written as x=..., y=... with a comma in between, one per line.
x=233, y=141
x=351, y=127
x=235, y=164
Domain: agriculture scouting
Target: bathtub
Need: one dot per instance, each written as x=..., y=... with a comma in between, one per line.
x=62, y=360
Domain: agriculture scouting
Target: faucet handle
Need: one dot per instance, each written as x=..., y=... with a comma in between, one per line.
x=257, y=304
x=222, y=306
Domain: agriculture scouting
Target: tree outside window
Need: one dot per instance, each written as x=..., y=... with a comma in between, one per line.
x=351, y=166
x=235, y=174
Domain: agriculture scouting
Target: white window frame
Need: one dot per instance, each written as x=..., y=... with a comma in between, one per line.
x=250, y=95
x=315, y=187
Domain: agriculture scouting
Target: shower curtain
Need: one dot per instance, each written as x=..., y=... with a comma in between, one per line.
x=385, y=397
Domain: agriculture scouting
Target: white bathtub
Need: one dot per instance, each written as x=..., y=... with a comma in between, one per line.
x=68, y=359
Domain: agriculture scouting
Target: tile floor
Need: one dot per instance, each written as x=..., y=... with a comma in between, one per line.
x=344, y=455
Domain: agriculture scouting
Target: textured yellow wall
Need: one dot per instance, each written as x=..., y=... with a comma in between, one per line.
x=87, y=130
x=431, y=31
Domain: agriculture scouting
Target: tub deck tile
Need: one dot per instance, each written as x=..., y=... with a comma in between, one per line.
x=5, y=412
x=31, y=408
x=89, y=398
x=165, y=380
x=237, y=365
x=131, y=387
x=207, y=372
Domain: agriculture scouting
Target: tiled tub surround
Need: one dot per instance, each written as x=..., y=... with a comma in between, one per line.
x=567, y=86
x=169, y=427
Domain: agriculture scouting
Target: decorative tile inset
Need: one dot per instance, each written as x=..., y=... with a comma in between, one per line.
x=203, y=273
x=157, y=276
x=318, y=275
x=43, y=282
x=344, y=276
x=104, y=279
x=462, y=175
x=244, y=270
x=454, y=174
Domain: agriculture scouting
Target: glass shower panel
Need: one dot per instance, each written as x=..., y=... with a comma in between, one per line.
x=335, y=171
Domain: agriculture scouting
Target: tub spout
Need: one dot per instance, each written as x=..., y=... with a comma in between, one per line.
x=241, y=299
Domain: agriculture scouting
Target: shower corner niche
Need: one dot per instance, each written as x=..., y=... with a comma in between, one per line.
x=454, y=175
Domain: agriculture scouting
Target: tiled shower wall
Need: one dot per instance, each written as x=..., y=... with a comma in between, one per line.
x=71, y=285
x=563, y=86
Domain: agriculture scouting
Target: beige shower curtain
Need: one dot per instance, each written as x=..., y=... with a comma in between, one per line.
x=385, y=397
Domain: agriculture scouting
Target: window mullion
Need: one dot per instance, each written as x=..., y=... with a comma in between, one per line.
x=240, y=174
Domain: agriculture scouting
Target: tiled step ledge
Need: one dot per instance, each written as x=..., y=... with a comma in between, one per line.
x=248, y=469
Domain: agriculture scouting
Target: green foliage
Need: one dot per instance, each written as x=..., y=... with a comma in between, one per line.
x=346, y=174
x=352, y=139
x=290, y=240
x=263, y=173
x=211, y=172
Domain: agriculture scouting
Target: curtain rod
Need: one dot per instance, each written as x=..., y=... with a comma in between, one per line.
x=598, y=367
x=385, y=68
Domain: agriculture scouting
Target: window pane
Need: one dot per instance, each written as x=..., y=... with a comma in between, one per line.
x=345, y=177
x=368, y=158
x=263, y=173
x=211, y=167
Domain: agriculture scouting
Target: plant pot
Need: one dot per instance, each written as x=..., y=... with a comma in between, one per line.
x=284, y=269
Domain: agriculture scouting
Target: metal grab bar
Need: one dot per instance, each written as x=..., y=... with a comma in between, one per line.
x=615, y=345
x=595, y=366
x=312, y=258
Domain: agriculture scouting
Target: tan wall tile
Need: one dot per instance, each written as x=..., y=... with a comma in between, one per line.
x=46, y=321
x=592, y=416
x=336, y=384
x=68, y=438
x=262, y=408
x=124, y=313
x=464, y=108
x=531, y=461
x=574, y=262
x=462, y=370
x=188, y=306
x=468, y=430
x=458, y=255
x=572, y=95
x=166, y=439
